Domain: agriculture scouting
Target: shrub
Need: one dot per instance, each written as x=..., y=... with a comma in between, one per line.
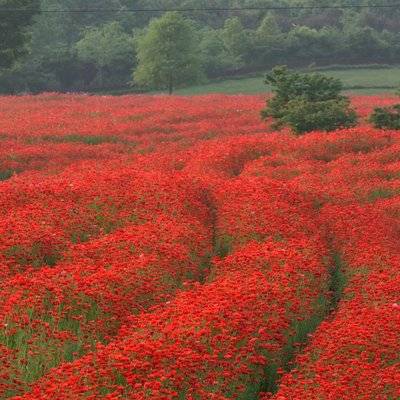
x=386, y=117
x=307, y=102
x=304, y=116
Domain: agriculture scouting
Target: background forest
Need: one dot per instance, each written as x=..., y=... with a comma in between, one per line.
x=94, y=51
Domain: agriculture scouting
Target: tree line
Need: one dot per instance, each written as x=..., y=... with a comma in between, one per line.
x=107, y=50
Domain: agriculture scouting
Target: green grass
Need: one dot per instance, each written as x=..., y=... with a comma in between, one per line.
x=358, y=81
x=368, y=78
x=230, y=86
x=370, y=91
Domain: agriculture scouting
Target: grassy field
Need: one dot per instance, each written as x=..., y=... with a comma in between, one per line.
x=359, y=81
x=363, y=81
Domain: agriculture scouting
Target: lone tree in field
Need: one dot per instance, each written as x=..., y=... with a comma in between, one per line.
x=168, y=54
x=16, y=16
x=307, y=102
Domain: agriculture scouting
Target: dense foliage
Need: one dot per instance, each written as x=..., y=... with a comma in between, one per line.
x=176, y=248
x=13, y=28
x=386, y=117
x=109, y=49
x=168, y=54
x=61, y=54
x=307, y=102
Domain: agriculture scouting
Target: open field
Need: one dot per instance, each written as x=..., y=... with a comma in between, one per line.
x=359, y=81
x=166, y=247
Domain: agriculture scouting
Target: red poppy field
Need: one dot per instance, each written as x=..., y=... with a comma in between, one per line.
x=177, y=248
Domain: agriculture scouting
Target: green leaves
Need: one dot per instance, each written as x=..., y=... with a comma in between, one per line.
x=168, y=54
x=386, y=117
x=105, y=45
x=307, y=102
x=109, y=48
x=12, y=28
x=236, y=40
x=304, y=116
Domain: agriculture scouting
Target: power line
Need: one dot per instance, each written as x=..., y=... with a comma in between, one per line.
x=208, y=10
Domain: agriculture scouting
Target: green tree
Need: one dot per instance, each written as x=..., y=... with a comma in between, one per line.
x=269, y=31
x=214, y=55
x=307, y=102
x=108, y=48
x=259, y=39
x=363, y=44
x=13, y=28
x=236, y=40
x=366, y=45
x=270, y=40
x=50, y=49
x=168, y=54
